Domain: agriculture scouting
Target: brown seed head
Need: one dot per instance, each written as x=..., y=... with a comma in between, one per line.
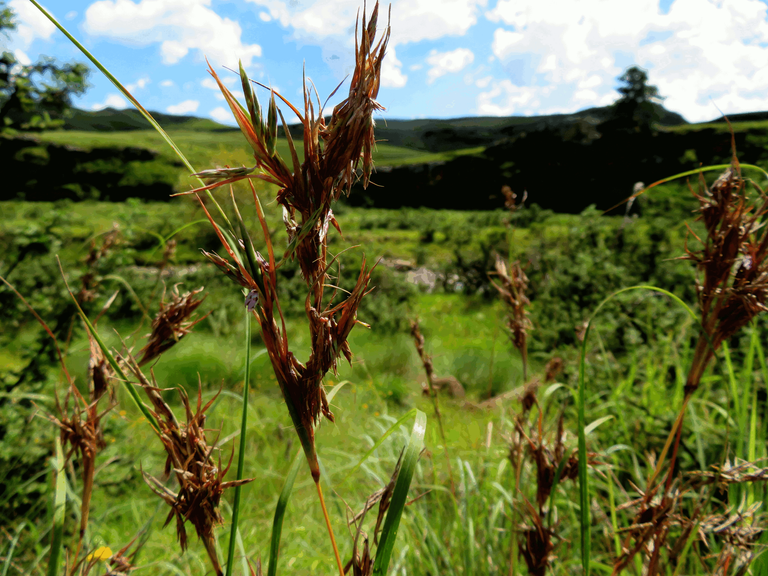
x=171, y=324
x=200, y=479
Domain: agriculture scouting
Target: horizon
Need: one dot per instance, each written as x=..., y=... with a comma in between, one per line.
x=447, y=60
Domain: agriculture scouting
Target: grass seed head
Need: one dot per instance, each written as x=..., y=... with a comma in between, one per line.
x=171, y=323
x=189, y=457
x=732, y=260
x=512, y=286
x=306, y=193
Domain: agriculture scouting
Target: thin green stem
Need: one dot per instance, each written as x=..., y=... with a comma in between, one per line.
x=241, y=453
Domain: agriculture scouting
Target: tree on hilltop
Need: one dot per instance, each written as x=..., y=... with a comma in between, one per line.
x=638, y=108
x=35, y=96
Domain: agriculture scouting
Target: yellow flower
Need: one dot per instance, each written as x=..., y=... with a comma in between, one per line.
x=103, y=553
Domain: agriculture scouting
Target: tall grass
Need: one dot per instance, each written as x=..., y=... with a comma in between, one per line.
x=544, y=490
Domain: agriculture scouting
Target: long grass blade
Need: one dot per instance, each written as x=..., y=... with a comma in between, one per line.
x=282, y=504
x=380, y=441
x=241, y=451
x=397, y=504
x=584, y=515
x=59, y=510
x=285, y=494
x=111, y=359
x=11, y=548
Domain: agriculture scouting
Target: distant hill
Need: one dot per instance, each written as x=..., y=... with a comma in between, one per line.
x=432, y=135
x=745, y=117
x=111, y=120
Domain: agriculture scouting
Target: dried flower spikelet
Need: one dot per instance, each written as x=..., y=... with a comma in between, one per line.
x=82, y=432
x=306, y=192
x=100, y=372
x=426, y=360
x=553, y=369
x=512, y=287
x=535, y=543
x=349, y=136
x=199, y=478
x=732, y=260
x=171, y=323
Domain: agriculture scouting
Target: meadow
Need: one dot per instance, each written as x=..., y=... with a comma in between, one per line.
x=602, y=401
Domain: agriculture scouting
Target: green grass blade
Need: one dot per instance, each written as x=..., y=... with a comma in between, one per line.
x=700, y=170
x=581, y=407
x=277, y=523
x=172, y=234
x=285, y=494
x=734, y=388
x=396, y=506
x=379, y=442
x=612, y=504
x=11, y=548
x=112, y=362
x=241, y=451
x=59, y=511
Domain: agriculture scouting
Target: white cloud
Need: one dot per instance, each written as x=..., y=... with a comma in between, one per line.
x=392, y=71
x=448, y=62
x=180, y=26
x=30, y=23
x=166, y=83
x=504, y=42
x=699, y=50
x=412, y=20
x=221, y=114
x=211, y=83
x=506, y=99
x=483, y=82
x=111, y=101
x=184, y=107
x=264, y=18
x=139, y=84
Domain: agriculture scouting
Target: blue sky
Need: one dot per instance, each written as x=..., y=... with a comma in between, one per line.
x=447, y=58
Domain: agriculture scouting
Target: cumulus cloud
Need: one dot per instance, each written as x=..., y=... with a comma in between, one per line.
x=166, y=83
x=448, y=62
x=111, y=101
x=221, y=114
x=179, y=26
x=699, y=50
x=139, y=84
x=30, y=23
x=506, y=99
x=185, y=107
x=392, y=71
x=412, y=20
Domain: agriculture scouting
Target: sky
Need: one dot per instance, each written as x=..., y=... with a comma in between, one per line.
x=446, y=58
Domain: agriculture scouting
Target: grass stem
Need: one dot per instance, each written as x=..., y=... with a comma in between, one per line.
x=330, y=529
x=241, y=454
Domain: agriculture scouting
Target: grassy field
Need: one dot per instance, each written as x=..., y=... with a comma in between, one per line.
x=637, y=358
